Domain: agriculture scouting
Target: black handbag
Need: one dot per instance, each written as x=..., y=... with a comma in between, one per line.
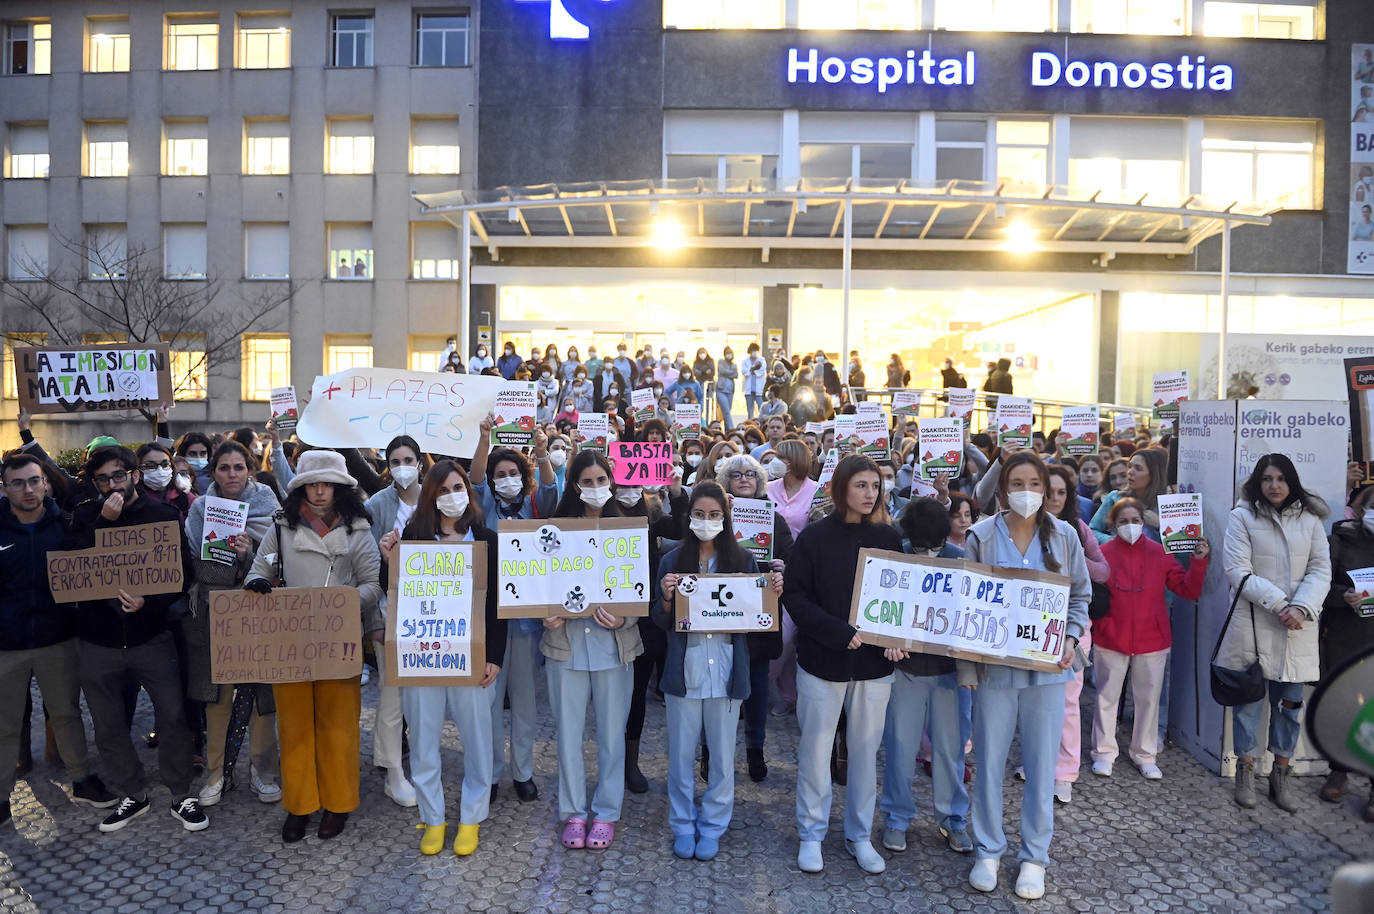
x=1101, y=602
x=1231, y=688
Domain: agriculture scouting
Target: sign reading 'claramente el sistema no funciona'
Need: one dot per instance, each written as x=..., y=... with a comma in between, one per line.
x=1045, y=69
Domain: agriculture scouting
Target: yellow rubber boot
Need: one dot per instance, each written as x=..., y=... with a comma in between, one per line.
x=466, y=842
x=432, y=841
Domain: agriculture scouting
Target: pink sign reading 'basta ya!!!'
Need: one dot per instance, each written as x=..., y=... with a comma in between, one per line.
x=642, y=463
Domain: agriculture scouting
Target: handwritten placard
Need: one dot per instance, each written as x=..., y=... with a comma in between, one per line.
x=285, y=410
x=516, y=405
x=436, y=619
x=642, y=463
x=752, y=519
x=143, y=559
x=566, y=566
x=367, y=407
x=1080, y=423
x=293, y=634
x=725, y=603
x=69, y=379
x=957, y=608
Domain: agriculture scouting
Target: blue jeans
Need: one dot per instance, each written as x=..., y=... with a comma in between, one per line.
x=752, y=404
x=723, y=401
x=756, y=705
x=1285, y=724
x=918, y=701
x=687, y=719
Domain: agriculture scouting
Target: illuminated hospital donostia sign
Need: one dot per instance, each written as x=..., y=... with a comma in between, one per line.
x=1046, y=69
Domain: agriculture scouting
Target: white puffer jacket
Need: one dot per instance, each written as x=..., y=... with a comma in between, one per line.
x=1289, y=562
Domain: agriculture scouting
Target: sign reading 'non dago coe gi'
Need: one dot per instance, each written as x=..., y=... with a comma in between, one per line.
x=53, y=379
x=293, y=634
x=957, y=608
x=566, y=567
x=141, y=560
x=436, y=623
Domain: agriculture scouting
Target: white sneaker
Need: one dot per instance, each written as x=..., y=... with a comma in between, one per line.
x=399, y=789
x=1151, y=772
x=212, y=792
x=983, y=876
x=1063, y=792
x=1102, y=767
x=367, y=675
x=809, y=857
x=1030, y=884
x=1019, y=773
x=870, y=861
x=266, y=791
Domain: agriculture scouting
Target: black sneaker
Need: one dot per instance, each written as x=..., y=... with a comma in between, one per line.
x=192, y=817
x=91, y=791
x=128, y=808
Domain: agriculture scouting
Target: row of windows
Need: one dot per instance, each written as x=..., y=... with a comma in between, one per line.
x=262, y=41
x=1295, y=19
x=434, y=251
x=1124, y=158
x=266, y=149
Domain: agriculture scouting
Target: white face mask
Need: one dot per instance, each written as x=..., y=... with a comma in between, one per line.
x=706, y=529
x=158, y=479
x=405, y=476
x=184, y=482
x=452, y=504
x=596, y=496
x=510, y=487
x=257, y=448
x=693, y=460
x=1130, y=532
x=1368, y=519
x=1025, y=502
x=629, y=496
x=558, y=457
x=777, y=469
x=888, y=485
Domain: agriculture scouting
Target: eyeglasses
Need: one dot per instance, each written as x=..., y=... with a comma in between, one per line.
x=148, y=467
x=115, y=479
x=741, y=474
x=19, y=485
x=714, y=515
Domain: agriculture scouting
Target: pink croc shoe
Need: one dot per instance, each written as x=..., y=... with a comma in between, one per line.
x=601, y=835
x=575, y=834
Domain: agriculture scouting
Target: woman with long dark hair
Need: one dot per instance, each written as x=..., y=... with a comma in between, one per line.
x=1278, y=556
x=446, y=513
x=1147, y=478
x=1023, y=535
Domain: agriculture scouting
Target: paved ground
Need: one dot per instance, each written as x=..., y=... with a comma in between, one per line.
x=1125, y=844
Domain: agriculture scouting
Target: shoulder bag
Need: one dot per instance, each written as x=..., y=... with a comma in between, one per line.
x=1231, y=688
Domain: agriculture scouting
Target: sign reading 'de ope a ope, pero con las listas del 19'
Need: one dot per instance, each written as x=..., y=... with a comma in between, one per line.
x=1043, y=69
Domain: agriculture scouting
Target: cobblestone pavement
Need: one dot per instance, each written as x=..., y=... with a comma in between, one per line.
x=1124, y=844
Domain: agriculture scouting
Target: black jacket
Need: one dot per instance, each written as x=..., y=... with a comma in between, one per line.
x=817, y=590
x=28, y=616
x=102, y=622
x=1344, y=632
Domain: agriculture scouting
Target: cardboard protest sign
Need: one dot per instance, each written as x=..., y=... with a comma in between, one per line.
x=940, y=447
x=285, y=410
x=1363, y=579
x=725, y=603
x=962, y=609
x=1123, y=425
x=567, y=566
x=293, y=634
x=906, y=403
x=595, y=429
x=367, y=407
x=1013, y=422
x=1180, y=522
x=1081, y=424
x=225, y=518
x=687, y=417
x=642, y=463
x=642, y=402
x=69, y=379
x=141, y=560
x=961, y=401
x=436, y=633
x=752, y=519
x=516, y=405
x=1170, y=389
x=870, y=436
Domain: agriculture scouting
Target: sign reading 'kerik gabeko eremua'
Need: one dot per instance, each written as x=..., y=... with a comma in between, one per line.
x=1046, y=69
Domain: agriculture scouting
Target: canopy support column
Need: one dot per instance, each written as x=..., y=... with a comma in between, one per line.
x=464, y=324
x=848, y=283
x=1225, y=307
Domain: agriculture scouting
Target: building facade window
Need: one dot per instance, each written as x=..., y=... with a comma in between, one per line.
x=266, y=146
x=191, y=46
x=107, y=45
x=434, y=251
x=266, y=364
x=425, y=351
x=961, y=149
x=190, y=367
x=107, y=149
x=434, y=146
x=28, y=252
x=1023, y=151
x=107, y=251
x=1259, y=20
x=184, y=251
x=350, y=40
x=1131, y=17
x=350, y=251
x=724, y=14
x=28, y=48
x=1126, y=159
x=441, y=39
x=859, y=14
x=266, y=250
x=11, y=341
x=264, y=42
x=995, y=15
x=187, y=148
x=350, y=146
x=345, y=351
x=27, y=152
x=1259, y=162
